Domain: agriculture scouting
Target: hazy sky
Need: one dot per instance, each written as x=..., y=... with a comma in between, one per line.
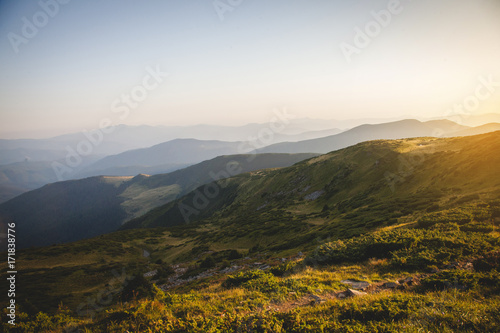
x=66, y=65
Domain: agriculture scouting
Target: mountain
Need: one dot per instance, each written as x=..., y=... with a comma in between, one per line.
x=394, y=236
x=15, y=155
x=367, y=177
x=20, y=177
x=395, y=130
x=120, y=138
x=173, y=155
x=29, y=161
x=71, y=210
x=179, y=151
x=130, y=170
x=9, y=191
x=47, y=150
x=474, y=120
x=477, y=130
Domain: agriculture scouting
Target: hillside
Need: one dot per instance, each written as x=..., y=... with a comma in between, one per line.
x=71, y=210
x=394, y=130
x=371, y=175
x=394, y=236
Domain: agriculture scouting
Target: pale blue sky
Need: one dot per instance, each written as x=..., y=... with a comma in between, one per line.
x=263, y=55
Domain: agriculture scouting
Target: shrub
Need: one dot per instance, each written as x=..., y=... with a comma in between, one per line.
x=264, y=282
x=458, y=279
x=285, y=269
x=463, y=280
x=408, y=249
x=165, y=272
x=478, y=227
x=267, y=284
x=234, y=254
x=238, y=279
x=137, y=287
x=207, y=263
x=390, y=308
x=455, y=215
x=488, y=262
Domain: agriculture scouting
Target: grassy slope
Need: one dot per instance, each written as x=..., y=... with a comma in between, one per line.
x=73, y=210
x=269, y=207
x=445, y=174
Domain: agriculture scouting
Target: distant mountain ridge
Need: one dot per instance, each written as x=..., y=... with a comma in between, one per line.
x=487, y=128
x=389, y=131
x=178, y=151
x=172, y=155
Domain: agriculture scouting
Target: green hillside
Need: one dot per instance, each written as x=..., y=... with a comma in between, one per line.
x=410, y=226
x=77, y=209
x=353, y=185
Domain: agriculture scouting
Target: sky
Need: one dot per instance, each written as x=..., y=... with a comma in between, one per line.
x=68, y=65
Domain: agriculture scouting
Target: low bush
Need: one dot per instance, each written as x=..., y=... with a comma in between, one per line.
x=286, y=268
x=236, y=280
x=488, y=262
x=408, y=249
x=390, y=308
x=484, y=282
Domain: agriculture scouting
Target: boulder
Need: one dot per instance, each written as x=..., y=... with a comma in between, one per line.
x=390, y=285
x=351, y=293
x=355, y=284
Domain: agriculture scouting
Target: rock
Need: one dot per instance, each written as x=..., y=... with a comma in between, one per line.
x=390, y=285
x=316, y=300
x=313, y=196
x=355, y=284
x=351, y=293
x=468, y=266
x=452, y=265
x=408, y=281
x=151, y=273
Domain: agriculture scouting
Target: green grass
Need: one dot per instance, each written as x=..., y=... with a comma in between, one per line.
x=458, y=298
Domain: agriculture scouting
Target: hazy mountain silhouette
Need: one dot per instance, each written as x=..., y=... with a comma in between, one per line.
x=395, y=130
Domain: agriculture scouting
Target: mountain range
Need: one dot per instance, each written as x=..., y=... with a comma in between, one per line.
x=131, y=150
x=394, y=130
x=76, y=209
x=106, y=202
